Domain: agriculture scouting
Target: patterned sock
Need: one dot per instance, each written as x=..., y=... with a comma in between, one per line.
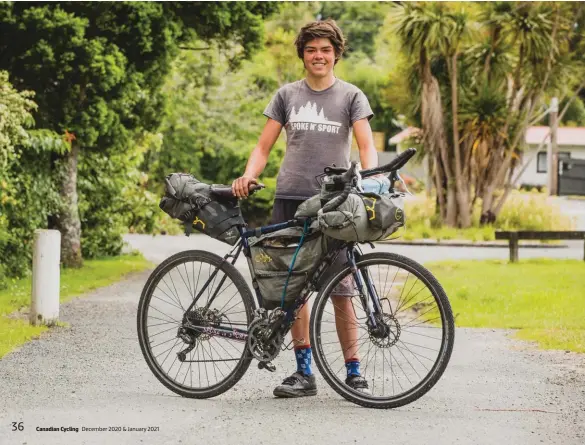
x=353, y=367
x=303, y=356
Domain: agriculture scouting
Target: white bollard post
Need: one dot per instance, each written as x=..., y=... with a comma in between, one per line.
x=46, y=277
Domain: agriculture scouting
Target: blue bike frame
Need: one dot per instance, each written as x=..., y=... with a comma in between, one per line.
x=291, y=312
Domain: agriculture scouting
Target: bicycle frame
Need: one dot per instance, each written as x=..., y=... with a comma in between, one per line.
x=361, y=280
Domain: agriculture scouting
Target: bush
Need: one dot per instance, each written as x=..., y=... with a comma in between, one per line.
x=522, y=211
x=28, y=194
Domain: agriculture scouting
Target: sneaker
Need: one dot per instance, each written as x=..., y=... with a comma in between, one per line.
x=358, y=383
x=297, y=385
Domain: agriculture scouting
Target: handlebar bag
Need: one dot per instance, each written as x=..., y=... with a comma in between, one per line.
x=191, y=201
x=362, y=217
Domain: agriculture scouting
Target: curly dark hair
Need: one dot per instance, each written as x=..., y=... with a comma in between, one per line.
x=321, y=29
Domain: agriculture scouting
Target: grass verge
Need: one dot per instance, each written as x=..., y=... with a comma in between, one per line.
x=15, y=328
x=544, y=299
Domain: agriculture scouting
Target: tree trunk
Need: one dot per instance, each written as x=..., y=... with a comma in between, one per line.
x=464, y=207
x=429, y=172
x=487, y=199
x=462, y=191
x=68, y=221
x=451, y=219
x=440, y=186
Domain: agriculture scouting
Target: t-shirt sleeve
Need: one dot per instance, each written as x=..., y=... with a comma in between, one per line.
x=276, y=109
x=360, y=108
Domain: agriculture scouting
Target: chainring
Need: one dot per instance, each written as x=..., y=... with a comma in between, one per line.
x=263, y=349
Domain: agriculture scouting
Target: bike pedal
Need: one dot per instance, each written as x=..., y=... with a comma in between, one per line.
x=267, y=365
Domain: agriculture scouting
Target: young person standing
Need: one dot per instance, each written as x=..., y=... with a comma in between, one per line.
x=319, y=114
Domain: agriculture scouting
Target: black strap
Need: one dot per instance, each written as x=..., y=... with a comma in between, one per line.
x=189, y=227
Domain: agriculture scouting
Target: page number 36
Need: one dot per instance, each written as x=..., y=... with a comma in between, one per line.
x=17, y=426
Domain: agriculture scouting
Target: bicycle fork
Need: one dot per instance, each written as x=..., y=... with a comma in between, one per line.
x=371, y=306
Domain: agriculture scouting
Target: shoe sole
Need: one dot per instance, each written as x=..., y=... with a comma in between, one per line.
x=294, y=393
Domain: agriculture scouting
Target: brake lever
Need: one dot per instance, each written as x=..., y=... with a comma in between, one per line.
x=358, y=176
x=403, y=183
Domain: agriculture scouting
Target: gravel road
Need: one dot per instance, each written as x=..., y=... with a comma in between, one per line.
x=92, y=374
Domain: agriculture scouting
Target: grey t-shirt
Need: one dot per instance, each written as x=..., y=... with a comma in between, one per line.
x=318, y=128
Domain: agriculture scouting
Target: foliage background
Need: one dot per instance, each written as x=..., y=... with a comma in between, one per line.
x=205, y=120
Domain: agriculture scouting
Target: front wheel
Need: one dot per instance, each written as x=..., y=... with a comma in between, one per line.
x=404, y=356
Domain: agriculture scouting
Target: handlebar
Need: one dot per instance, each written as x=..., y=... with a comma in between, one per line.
x=225, y=191
x=344, y=178
x=397, y=163
x=347, y=178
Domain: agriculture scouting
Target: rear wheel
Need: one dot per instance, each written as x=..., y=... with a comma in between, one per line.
x=196, y=364
x=407, y=353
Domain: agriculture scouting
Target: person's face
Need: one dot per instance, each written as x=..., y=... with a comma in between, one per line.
x=319, y=57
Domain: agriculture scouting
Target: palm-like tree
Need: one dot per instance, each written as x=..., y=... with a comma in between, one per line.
x=430, y=30
x=474, y=119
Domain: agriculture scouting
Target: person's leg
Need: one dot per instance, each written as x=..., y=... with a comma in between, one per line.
x=347, y=327
x=300, y=337
x=302, y=381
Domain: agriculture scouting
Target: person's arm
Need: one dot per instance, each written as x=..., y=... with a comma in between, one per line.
x=365, y=142
x=258, y=158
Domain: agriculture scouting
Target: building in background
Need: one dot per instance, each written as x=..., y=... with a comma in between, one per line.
x=570, y=148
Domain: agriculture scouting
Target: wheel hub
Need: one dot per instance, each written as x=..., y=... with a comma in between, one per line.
x=387, y=331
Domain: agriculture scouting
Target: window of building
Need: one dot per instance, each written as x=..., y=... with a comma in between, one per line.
x=542, y=160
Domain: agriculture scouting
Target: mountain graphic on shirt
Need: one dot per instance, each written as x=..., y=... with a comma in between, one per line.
x=308, y=113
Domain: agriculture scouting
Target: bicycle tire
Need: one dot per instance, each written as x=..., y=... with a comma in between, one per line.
x=242, y=287
x=446, y=344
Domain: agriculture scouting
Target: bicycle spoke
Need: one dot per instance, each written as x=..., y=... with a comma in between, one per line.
x=173, y=299
x=410, y=299
x=174, y=287
x=188, y=281
x=164, y=301
x=420, y=325
x=169, y=350
x=162, y=343
x=420, y=315
x=416, y=356
x=162, y=332
x=188, y=286
x=166, y=315
x=166, y=321
x=220, y=361
x=418, y=333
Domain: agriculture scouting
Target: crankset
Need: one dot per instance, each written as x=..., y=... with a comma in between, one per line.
x=265, y=338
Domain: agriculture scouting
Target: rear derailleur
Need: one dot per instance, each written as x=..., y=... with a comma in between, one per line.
x=201, y=317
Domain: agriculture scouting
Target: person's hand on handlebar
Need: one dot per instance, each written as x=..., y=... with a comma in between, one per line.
x=241, y=186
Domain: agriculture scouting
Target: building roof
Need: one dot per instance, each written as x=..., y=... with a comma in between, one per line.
x=534, y=135
x=565, y=135
x=404, y=134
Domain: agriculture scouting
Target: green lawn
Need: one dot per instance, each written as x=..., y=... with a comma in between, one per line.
x=544, y=299
x=74, y=282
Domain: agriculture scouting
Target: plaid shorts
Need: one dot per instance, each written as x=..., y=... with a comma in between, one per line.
x=285, y=209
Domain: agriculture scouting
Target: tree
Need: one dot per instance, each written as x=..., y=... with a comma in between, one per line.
x=97, y=69
x=360, y=22
x=477, y=96
x=26, y=188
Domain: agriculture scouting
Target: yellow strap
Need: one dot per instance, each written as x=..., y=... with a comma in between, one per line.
x=197, y=220
x=372, y=209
